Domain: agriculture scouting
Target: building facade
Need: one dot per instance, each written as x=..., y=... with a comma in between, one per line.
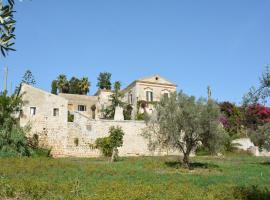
x=148, y=90
x=48, y=116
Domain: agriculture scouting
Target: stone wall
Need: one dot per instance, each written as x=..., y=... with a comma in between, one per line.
x=247, y=145
x=50, y=129
x=86, y=131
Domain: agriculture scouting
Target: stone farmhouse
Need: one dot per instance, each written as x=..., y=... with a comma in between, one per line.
x=47, y=114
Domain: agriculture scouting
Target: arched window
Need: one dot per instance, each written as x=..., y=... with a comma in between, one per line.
x=130, y=98
x=165, y=93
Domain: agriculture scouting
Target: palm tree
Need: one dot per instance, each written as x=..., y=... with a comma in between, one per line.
x=62, y=83
x=84, y=85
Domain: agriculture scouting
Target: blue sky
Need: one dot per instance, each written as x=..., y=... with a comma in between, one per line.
x=225, y=44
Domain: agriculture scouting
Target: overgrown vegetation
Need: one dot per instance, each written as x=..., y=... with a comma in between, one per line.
x=13, y=141
x=108, y=145
x=233, y=177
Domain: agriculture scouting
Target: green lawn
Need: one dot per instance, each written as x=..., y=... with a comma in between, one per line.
x=229, y=177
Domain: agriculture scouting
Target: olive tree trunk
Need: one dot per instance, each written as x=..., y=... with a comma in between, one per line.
x=186, y=162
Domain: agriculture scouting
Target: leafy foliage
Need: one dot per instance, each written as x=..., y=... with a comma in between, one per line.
x=28, y=78
x=84, y=85
x=260, y=94
x=7, y=27
x=257, y=115
x=8, y=106
x=233, y=118
x=261, y=136
x=108, y=145
x=54, y=87
x=213, y=136
x=104, y=145
x=180, y=122
x=12, y=138
x=104, y=81
x=116, y=100
x=141, y=116
x=70, y=117
x=72, y=86
x=13, y=141
x=128, y=112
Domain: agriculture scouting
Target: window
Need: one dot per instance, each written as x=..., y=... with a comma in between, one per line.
x=130, y=98
x=56, y=112
x=166, y=95
x=81, y=108
x=149, y=96
x=32, y=111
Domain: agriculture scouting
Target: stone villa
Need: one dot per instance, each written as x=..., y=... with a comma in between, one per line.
x=47, y=114
x=149, y=89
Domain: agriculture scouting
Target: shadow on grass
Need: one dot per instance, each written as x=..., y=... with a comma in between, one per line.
x=252, y=193
x=193, y=165
x=265, y=163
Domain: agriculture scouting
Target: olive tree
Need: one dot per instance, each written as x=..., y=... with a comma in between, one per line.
x=183, y=123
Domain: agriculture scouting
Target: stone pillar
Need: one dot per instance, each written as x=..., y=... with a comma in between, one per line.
x=118, y=115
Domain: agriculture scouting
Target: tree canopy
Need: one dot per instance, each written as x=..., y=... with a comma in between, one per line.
x=104, y=81
x=183, y=123
x=72, y=86
x=28, y=78
x=260, y=94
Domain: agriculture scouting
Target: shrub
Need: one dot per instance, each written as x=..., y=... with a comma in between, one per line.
x=108, y=145
x=127, y=112
x=104, y=145
x=261, y=136
x=33, y=141
x=70, y=117
x=141, y=116
x=13, y=141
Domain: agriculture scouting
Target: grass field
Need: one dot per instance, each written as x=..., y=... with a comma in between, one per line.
x=228, y=177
